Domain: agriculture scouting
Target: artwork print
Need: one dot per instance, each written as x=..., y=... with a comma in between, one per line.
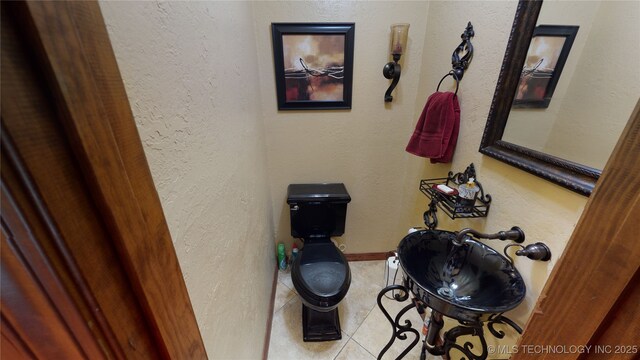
x=547, y=54
x=313, y=65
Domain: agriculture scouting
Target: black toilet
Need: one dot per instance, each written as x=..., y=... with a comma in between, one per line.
x=320, y=273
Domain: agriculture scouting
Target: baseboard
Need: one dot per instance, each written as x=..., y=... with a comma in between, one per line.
x=368, y=256
x=267, y=336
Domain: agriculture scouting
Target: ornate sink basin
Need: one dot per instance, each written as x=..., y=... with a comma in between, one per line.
x=468, y=282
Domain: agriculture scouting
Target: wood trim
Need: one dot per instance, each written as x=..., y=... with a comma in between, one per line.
x=619, y=328
x=41, y=175
x=38, y=288
x=368, y=256
x=37, y=312
x=11, y=344
x=599, y=261
x=71, y=48
x=272, y=304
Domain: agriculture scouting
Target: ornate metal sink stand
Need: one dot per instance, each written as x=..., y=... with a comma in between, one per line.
x=441, y=265
x=432, y=342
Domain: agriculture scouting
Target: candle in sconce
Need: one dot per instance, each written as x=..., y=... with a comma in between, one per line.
x=399, y=34
x=391, y=70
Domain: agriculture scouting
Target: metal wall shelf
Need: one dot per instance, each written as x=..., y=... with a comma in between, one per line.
x=450, y=204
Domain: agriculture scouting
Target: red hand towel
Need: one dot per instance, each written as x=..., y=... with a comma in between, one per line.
x=436, y=132
x=452, y=140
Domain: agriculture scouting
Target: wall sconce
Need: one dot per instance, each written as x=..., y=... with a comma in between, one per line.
x=391, y=70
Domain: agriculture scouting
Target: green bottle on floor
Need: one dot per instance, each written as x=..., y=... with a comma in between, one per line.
x=282, y=258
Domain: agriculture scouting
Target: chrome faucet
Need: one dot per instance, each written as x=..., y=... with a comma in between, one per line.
x=516, y=234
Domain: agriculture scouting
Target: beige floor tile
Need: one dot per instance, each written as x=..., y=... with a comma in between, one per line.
x=283, y=295
x=355, y=307
x=361, y=298
x=369, y=272
x=284, y=277
x=353, y=351
x=375, y=331
x=286, y=337
x=359, y=317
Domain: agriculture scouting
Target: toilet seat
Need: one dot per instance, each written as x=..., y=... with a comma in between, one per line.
x=321, y=275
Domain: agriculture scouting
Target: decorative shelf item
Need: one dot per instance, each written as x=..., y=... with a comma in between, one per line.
x=444, y=193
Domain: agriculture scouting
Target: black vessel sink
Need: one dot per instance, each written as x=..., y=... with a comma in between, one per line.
x=468, y=282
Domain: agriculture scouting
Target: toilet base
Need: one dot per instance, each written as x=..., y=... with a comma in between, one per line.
x=320, y=326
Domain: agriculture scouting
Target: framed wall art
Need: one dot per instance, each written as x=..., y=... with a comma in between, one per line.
x=547, y=54
x=313, y=65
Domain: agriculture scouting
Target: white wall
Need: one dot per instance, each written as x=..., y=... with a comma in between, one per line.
x=363, y=147
x=191, y=74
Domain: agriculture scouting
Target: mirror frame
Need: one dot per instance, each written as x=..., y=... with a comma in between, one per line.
x=573, y=176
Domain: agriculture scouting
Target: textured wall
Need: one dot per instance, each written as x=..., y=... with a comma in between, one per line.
x=364, y=147
x=600, y=100
x=191, y=74
x=546, y=212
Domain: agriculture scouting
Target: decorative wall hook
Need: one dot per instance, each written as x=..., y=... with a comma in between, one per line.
x=461, y=64
x=391, y=70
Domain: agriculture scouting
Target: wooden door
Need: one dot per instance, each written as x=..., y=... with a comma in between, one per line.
x=590, y=306
x=88, y=265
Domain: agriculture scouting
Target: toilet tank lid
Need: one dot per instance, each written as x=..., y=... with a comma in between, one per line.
x=336, y=192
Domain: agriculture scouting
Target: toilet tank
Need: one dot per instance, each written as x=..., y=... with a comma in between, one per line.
x=317, y=210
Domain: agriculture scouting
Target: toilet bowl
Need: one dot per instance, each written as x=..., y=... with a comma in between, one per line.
x=320, y=273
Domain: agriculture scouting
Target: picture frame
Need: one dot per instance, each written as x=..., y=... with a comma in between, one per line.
x=313, y=65
x=548, y=52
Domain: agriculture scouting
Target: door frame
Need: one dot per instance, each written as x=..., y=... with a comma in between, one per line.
x=592, y=293
x=69, y=46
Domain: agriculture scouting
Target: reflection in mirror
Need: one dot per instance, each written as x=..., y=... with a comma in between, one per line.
x=565, y=132
x=595, y=92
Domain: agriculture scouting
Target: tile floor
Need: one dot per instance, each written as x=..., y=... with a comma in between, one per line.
x=365, y=330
